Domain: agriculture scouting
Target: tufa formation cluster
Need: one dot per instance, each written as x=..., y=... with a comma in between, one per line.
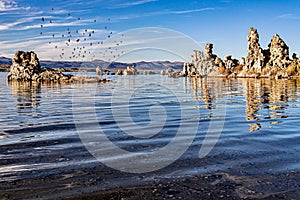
x=271, y=62
x=26, y=67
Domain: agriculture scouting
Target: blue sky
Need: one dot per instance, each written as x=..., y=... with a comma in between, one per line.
x=106, y=29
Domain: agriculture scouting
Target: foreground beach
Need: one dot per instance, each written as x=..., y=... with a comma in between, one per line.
x=207, y=186
x=211, y=186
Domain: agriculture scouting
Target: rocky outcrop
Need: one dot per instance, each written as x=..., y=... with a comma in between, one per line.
x=278, y=53
x=119, y=72
x=230, y=63
x=255, y=58
x=202, y=64
x=25, y=67
x=273, y=62
x=130, y=70
x=99, y=71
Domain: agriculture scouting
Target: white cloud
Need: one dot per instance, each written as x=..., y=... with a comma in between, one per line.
x=9, y=5
x=13, y=24
x=190, y=11
x=288, y=16
x=134, y=3
x=162, y=12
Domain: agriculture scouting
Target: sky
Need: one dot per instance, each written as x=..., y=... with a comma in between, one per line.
x=136, y=30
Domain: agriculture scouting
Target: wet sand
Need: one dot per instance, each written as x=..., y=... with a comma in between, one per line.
x=210, y=186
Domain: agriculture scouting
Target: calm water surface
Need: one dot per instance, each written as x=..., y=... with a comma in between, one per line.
x=40, y=143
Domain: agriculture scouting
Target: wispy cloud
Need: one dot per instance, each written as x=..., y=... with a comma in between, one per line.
x=131, y=3
x=9, y=5
x=62, y=24
x=135, y=3
x=287, y=16
x=190, y=11
x=11, y=25
x=162, y=12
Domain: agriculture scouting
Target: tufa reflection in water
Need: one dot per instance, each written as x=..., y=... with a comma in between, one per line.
x=268, y=96
x=266, y=99
x=28, y=94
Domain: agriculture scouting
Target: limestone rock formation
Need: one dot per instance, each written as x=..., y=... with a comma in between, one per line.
x=25, y=67
x=243, y=61
x=209, y=51
x=255, y=58
x=202, y=64
x=273, y=62
x=230, y=63
x=130, y=70
x=99, y=71
x=279, y=53
x=119, y=72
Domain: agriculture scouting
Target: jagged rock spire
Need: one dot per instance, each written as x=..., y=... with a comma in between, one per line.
x=255, y=58
x=278, y=53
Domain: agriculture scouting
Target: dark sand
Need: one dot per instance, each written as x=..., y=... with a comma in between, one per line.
x=213, y=186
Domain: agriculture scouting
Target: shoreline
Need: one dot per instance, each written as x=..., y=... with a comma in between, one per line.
x=218, y=185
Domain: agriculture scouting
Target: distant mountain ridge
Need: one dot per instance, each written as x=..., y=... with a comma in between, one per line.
x=142, y=65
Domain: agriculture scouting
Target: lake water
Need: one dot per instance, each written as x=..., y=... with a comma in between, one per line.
x=61, y=140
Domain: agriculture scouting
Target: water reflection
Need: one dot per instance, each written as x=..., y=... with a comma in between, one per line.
x=28, y=94
x=266, y=99
x=207, y=90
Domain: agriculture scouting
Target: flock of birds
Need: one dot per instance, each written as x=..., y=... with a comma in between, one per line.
x=79, y=44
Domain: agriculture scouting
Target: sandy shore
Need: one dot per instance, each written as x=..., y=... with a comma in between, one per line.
x=212, y=186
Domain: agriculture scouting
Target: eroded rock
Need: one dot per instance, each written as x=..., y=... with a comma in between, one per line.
x=278, y=53
x=202, y=64
x=25, y=67
x=130, y=70
x=119, y=72
x=273, y=62
x=255, y=57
